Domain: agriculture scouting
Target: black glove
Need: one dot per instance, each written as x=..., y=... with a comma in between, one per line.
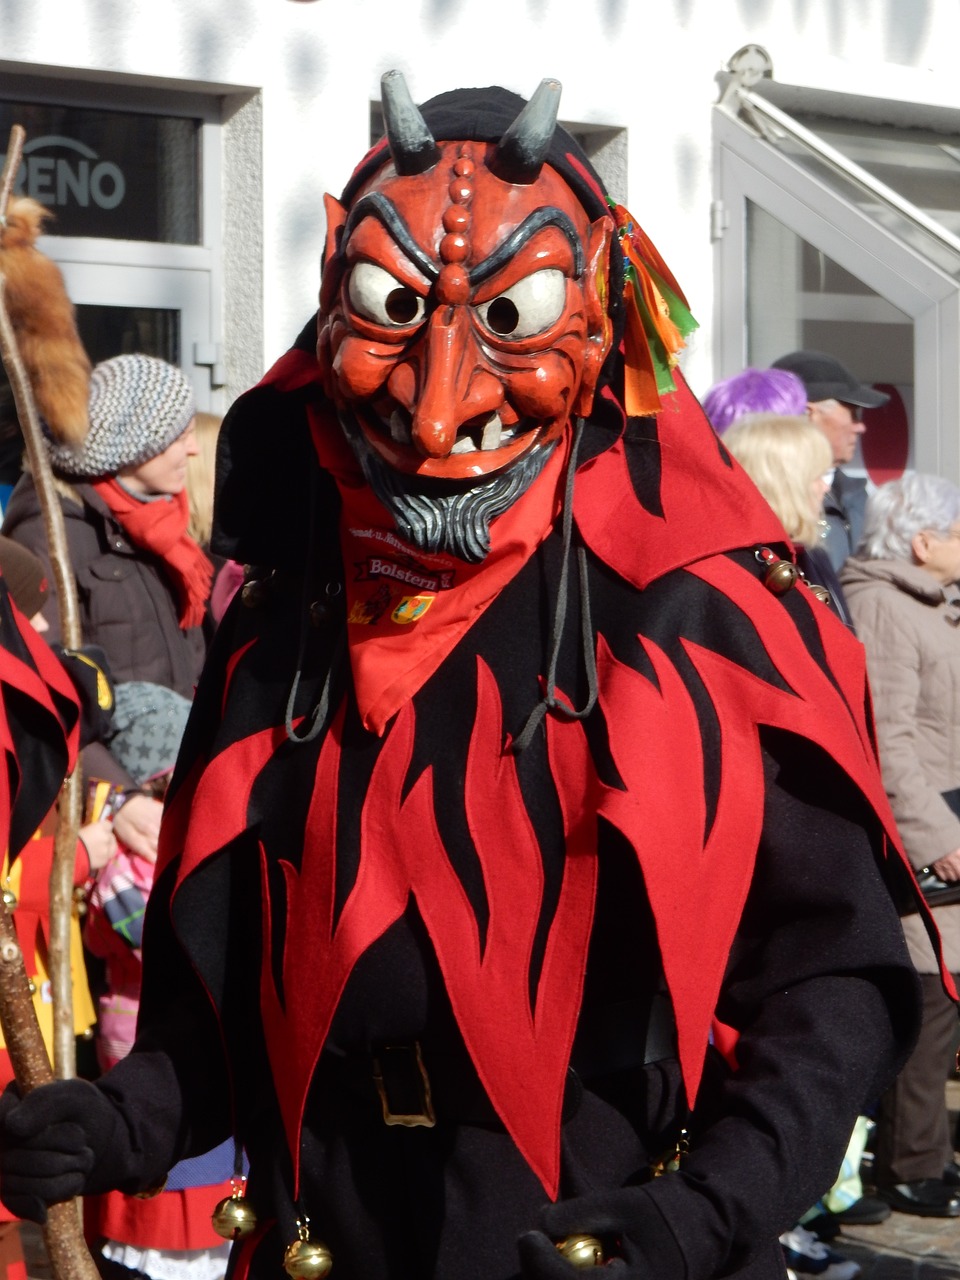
x=637, y=1242
x=62, y=1140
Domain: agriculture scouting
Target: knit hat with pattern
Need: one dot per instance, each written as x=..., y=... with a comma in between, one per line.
x=138, y=406
x=148, y=722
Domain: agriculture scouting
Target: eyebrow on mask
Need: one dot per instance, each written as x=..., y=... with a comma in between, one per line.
x=377, y=205
x=546, y=216
x=381, y=207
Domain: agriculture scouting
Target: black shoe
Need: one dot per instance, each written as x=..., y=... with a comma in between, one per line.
x=951, y=1174
x=864, y=1212
x=927, y=1198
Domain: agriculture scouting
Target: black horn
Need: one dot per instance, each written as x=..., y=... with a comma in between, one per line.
x=523, y=148
x=412, y=145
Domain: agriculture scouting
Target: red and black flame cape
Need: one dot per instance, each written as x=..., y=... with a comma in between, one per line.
x=39, y=726
x=335, y=837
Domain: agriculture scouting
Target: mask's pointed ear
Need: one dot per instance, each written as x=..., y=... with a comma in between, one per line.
x=330, y=279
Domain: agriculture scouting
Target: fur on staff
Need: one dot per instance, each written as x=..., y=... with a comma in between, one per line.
x=44, y=321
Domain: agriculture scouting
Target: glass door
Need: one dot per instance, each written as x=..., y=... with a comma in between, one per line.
x=160, y=311
x=804, y=260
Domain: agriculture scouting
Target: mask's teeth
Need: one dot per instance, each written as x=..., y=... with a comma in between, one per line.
x=491, y=433
x=399, y=428
x=464, y=444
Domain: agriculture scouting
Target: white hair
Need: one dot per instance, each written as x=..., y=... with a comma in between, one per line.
x=901, y=508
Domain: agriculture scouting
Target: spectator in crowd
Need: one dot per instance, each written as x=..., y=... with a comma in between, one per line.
x=201, y=473
x=168, y=1236
x=835, y=403
x=143, y=582
x=788, y=460
x=786, y=457
x=754, y=391
x=902, y=592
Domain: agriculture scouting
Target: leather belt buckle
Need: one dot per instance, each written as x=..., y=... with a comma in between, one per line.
x=401, y=1079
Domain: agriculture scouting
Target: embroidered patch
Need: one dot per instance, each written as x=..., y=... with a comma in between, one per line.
x=370, y=611
x=411, y=608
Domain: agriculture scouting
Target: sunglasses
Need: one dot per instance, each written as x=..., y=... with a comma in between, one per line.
x=856, y=410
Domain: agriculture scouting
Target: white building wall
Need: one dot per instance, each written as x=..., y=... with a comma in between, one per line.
x=310, y=70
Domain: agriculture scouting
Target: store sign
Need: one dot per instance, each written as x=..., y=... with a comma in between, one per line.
x=57, y=171
x=112, y=174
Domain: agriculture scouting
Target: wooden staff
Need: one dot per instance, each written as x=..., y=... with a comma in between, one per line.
x=63, y=1235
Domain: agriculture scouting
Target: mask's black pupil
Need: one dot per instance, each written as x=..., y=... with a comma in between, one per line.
x=502, y=316
x=402, y=305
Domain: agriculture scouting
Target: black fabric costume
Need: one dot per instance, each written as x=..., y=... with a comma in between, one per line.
x=824, y=1011
x=711, y=839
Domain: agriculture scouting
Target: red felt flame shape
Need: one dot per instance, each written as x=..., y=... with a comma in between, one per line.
x=521, y=1054
x=210, y=808
x=696, y=883
x=317, y=961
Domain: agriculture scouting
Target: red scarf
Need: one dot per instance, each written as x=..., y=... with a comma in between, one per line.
x=406, y=609
x=161, y=528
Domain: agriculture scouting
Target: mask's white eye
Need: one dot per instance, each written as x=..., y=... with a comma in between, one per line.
x=528, y=307
x=380, y=297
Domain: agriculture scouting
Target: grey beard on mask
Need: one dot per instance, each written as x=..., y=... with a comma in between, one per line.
x=444, y=515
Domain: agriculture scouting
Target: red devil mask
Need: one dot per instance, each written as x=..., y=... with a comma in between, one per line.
x=463, y=314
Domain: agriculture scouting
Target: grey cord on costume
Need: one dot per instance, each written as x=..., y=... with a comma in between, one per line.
x=550, y=701
x=318, y=717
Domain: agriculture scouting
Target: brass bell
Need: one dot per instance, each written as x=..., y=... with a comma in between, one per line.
x=822, y=593
x=307, y=1260
x=234, y=1217
x=256, y=590
x=781, y=575
x=9, y=898
x=582, y=1251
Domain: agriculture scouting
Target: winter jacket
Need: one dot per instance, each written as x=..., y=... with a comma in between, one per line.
x=843, y=509
x=910, y=626
x=127, y=604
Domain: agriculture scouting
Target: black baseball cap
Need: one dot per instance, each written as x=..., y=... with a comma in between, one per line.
x=827, y=379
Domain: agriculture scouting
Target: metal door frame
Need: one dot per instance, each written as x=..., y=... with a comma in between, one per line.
x=748, y=168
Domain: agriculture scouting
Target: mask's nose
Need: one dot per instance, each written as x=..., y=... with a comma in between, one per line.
x=444, y=384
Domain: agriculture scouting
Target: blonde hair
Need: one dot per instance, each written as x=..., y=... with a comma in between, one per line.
x=201, y=469
x=783, y=456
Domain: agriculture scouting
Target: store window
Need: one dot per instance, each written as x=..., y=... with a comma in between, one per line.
x=110, y=174
x=132, y=178
x=113, y=329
